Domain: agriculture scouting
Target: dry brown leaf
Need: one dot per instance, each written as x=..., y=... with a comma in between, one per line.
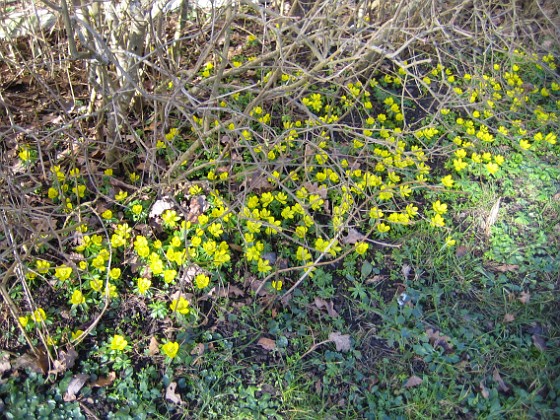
x=438, y=340
x=103, y=382
x=504, y=268
x=375, y=279
x=539, y=342
x=509, y=318
x=197, y=206
x=164, y=203
x=315, y=188
x=501, y=384
x=170, y=394
x=341, y=341
x=74, y=387
x=524, y=297
x=153, y=347
x=36, y=362
x=484, y=391
x=198, y=350
x=461, y=251
x=326, y=304
x=267, y=343
x=352, y=237
x=413, y=381
x=65, y=361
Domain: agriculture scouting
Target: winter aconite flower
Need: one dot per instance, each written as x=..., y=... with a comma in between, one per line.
x=63, y=272
x=277, y=285
x=170, y=349
x=39, y=315
x=180, y=305
x=439, y=207
x=118, y=343
x=361, y=248
x=77, y=298
x=201, y=281
x=143, y=285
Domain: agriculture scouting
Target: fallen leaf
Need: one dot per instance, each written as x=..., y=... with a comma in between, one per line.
x=524, y=297
x=501, y=384
x=65, y=361
x=484, y=391
x=36, y=362
x=375, y=279
x=164, y=203
x=461, y=251
x=267, y=343
x=509, y=318
x=235, y=291
x=170, y=394
x=405, y=270
x=198, y=350
x=438, y=340
x=504, y=268
x=197, y=206
x=328, y=305
x=153, y=347
x=352, y=237
x=413, y=381
x=315, y=188
x=341, y=341
x=539, y=342
x=74, y=387
x=103, y=382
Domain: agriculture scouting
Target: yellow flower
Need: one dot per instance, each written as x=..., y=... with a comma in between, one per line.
x=169, y=275
x=447, y=181
x=302, y=254
x=492, y=168
x=108, y=172
x=77, y=298
x=180, y=305
x=170, y=218
x=170, y=349
x=361, y=247
x=201, y=281
x=438, y=221
x=121, y=195
x=524, y=144
x=459, y=164
x=277, y=285
x=449, y=241
x=115, y=273
x=143, y=285
x=39, y=315
x=383, y=228
x=24, y=320
x=96, y=284
x=439, y=207
x=118, y=343
x=263, y=266
x=52, y=193
x=63, y=272
x=77, y=334
x=107, y=214
x=42, y=266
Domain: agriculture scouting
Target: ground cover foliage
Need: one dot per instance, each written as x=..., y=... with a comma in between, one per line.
x=325, y=210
